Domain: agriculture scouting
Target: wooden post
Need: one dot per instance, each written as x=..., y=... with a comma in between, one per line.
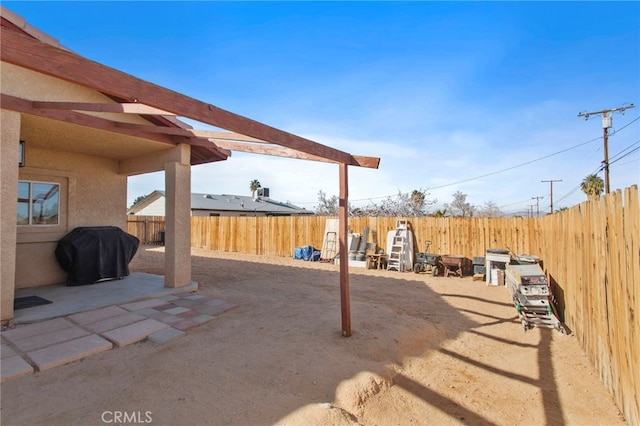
x=343, y=226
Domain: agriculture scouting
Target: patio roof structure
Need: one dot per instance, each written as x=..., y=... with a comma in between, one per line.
x=28, y=48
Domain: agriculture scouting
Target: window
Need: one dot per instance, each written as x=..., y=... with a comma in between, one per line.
x=38, y=203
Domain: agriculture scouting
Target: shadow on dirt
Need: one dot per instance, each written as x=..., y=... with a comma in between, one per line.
x=282, y=350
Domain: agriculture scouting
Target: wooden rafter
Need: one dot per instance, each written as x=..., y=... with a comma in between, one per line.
x=123, y=108
x=274, y=150
x=26, y=52
x=223, y=142
x=211, y=151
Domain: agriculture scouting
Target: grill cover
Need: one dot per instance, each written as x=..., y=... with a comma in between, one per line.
x=92, y=254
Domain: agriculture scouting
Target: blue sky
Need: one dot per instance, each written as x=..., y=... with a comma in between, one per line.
x=445, y=93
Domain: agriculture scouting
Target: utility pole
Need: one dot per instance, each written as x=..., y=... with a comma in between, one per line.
x=606, y=125
x=537, y=205
x=551, y=188
x=531, y=210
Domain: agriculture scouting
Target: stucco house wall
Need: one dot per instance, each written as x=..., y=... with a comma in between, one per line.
x=92, y=192
x=10, y=126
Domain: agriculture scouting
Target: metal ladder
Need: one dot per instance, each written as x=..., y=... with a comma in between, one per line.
x=397, y=259
x=330, y=245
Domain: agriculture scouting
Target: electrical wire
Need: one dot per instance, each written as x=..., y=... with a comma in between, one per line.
x=626, y=125
x=497, y=171
x=613, y=158
x=628, y=153
x=517, y=165
x=600, y=168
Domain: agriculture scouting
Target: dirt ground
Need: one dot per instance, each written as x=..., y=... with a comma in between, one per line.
x=424, y=351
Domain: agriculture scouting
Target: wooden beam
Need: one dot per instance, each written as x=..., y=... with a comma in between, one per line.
x=24, y=51
x=122, y=108
x=207, y=150
x=26, y=106
x=343, y=229
x=233, y=141
x=274, y=150
x=227, y=136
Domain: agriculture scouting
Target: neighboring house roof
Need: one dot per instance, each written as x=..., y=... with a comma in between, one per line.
x=229, y=202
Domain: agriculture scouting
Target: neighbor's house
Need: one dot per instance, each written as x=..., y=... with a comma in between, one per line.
x=220, y=205
x=73, y=130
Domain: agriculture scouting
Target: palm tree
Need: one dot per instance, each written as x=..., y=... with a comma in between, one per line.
x=592, y=185
x=254, y=185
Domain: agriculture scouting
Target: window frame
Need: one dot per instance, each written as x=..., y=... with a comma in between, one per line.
x=30, y=204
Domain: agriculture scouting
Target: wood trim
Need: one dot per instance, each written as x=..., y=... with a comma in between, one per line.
x=123, y=108
x=24, y=51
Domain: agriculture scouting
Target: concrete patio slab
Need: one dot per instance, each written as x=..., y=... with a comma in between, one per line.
x=150, y=303
x=6, y=351
x=69, y=351
x=14, y=367
x=36, y=329
x=53, y=342
x=85, y=318
x=114, y=322
x=175, y=311
x=58, y=336
x=71, y=300
x=134, y=332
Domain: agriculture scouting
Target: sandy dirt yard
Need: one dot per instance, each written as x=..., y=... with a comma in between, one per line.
x=424, y=351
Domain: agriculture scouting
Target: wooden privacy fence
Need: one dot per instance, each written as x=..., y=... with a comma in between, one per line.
x=591, y=253
x=149, y=229
x=279, y=236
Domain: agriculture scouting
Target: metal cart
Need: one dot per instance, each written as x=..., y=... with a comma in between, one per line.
x=531, y=296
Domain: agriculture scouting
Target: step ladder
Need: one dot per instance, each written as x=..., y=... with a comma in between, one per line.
x=397, y=257
x=329, y=248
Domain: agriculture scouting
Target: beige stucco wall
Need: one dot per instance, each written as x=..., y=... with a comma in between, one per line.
x=91, y=166
x=84, y=161
x=91, y=194
x=10, y=137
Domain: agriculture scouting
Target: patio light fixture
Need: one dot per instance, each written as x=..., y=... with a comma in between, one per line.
x=21, y=155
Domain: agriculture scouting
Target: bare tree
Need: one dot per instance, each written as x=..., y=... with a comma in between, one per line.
x=459, y=206
x=490, y=209
x=327, y=206
x=401, y=205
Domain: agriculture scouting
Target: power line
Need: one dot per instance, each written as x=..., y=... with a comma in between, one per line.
x=613, y=157
x=628, y=153
x=517, y=165
x=625, y=126
x=505, y=170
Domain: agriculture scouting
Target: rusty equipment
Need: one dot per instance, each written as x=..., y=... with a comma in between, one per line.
x=531, y=296
x=453, y=264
